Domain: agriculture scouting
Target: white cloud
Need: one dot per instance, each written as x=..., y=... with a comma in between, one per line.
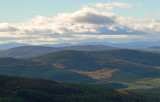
x=110, y=6
x=84, y=25
x=112, y=28
x=142, y=24
x=87, y=16
x=82, y=21
x=5, y=27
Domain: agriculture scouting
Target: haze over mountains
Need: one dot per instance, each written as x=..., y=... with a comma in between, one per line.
x=133, y=45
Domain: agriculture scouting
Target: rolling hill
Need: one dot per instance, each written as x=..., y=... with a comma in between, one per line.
x=33, y=51
x=117, y=63
x=15, y=89
x=26, y=68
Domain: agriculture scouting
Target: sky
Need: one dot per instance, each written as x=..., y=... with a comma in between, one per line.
x=79, y=21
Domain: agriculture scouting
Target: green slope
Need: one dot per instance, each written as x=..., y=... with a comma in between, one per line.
x=135, y=56
x=133, y=64
x=26, y=68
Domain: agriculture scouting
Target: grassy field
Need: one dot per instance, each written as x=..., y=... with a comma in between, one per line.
x=143, y=84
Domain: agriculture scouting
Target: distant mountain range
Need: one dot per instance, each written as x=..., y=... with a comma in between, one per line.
x=132, y=45
x=33, y=51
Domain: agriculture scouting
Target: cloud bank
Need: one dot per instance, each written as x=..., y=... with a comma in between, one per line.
x=84, y=25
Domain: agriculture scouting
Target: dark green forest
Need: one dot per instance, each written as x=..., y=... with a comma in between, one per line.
x=15, y=89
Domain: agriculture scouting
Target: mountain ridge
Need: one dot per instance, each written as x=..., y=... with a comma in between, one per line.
x=33, y=51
